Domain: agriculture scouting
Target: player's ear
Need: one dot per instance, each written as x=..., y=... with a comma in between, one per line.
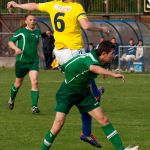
x=103, y=53
x=25, y=21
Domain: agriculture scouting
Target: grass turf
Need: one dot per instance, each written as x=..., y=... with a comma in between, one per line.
x=127, y=105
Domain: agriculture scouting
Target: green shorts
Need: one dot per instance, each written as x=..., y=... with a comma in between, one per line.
x=22, y=68
x=66, y=98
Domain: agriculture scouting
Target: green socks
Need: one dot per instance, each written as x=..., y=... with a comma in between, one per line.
x=34, y=95
x=35, y=98
x=13, y=92
x=113, y=136
x=48, y=140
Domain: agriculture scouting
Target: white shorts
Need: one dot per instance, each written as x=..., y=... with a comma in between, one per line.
x=130, y=57
x=66, y=54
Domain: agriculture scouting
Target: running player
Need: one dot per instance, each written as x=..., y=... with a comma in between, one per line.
x=25, y=44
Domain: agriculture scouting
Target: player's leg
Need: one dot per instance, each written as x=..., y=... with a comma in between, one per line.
x=85, y=117
x=20, y=71
x=62, y=108
x=51, y=134
x=86, y=124
x=13, y=91
x=90, y=105
x=33, y=74
x=107, y=127
x=110, y=132
x=86, y=135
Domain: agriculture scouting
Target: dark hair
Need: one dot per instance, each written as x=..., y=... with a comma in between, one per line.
x=91, y=44
x=29, y=14
x=113, y=38
x=131, y=39
x=105, y=46
x=140, y=40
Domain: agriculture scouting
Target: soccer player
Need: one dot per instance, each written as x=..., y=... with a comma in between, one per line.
x=75, y=91
x=25, y=44
x=67, y=17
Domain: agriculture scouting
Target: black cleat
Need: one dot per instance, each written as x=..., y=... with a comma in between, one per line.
x=10, y=104
x=35, y=110
x=91, y=140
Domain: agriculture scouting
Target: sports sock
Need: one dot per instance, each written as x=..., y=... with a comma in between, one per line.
x=13, y=92
x=113, y=136
x=48, y=140
x=86, y=124
x=34, y=97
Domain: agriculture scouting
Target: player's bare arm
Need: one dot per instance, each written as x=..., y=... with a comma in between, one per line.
x=26, y=6
x=14, y=47
x=100, y=70
x=87, y=25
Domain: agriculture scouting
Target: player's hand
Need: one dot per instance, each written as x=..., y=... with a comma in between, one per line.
x=11, y=4
x=18, y=51
x=120, y=76
x=106, y=30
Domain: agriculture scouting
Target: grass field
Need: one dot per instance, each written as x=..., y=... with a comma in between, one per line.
x=127, y=105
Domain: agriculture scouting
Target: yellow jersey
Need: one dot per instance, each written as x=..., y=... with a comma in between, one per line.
x=65, y=18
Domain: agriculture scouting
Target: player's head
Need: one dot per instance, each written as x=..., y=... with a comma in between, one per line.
x=30, y=21
x=105, y=52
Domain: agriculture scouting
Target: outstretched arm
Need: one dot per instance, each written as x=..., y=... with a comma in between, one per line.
x=100, y=70
x=87, y=25
x=26, y=6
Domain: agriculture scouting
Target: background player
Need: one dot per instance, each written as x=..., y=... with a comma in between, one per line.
x=27, y=60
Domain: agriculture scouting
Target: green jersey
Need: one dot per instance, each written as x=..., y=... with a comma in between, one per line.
x=27, y=41
x=77, y=70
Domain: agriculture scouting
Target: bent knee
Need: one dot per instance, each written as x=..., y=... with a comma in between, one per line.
x=104, y=120
x=18, y=83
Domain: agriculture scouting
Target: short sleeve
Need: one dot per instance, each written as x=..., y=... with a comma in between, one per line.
x=91, y=61
x=16, y=36
x=80, y=12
